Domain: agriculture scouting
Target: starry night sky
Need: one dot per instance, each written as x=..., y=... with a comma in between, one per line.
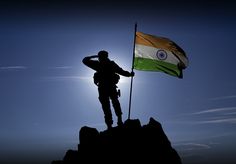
x=47, y=94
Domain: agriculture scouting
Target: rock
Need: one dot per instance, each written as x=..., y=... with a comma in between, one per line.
x=129, y=143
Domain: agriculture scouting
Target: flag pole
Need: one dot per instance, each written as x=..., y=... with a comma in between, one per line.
x=131, y=81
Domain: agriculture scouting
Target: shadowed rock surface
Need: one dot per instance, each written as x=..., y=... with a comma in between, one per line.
x=129, y=143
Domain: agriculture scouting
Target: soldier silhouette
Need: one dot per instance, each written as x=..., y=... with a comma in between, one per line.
x=106, y=77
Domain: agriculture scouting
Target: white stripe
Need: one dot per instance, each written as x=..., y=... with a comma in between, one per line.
x=150, y=53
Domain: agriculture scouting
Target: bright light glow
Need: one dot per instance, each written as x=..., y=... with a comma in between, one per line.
x=124, y=80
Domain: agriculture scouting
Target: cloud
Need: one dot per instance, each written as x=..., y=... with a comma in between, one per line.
x=197, y=145
x=223, y=97
x=65, y=78
x=189, y=146
x=211, y=116
x=214, y=110
x=13, y=68
x=210, y=111
x=191, y=149
x=230, y=113
x=225, y=120
x=61, y=67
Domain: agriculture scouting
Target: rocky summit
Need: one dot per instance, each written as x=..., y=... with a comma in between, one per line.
x=131, y=142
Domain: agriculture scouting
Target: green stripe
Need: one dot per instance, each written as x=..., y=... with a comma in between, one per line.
x=145, y=64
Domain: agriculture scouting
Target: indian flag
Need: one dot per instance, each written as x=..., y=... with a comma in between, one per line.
x=154, y=53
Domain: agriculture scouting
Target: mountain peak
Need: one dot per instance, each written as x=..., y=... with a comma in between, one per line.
x=131, y=142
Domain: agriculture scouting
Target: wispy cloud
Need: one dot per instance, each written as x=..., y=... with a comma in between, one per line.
x=211, y=116
x=187, y=146
x=230, y=113
x=210, y=111
x=61, y=67
x=223, y=97
x=214, y=110
x=65, y=78
x=225, y=120
x=15, y=68
x=191, y=149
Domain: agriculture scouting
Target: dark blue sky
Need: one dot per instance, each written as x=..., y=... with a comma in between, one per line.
x=47, y=94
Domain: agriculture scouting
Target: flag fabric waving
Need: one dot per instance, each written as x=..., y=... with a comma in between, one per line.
x=154, y=53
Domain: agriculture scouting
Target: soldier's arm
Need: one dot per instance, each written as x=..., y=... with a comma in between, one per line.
x=91, y=63
x=122, y=72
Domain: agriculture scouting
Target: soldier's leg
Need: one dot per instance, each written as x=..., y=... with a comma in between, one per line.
x=105, y=102
x=116, y=106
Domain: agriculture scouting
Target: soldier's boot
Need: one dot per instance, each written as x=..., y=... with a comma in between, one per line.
x=109, y=122
x=119, y=120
